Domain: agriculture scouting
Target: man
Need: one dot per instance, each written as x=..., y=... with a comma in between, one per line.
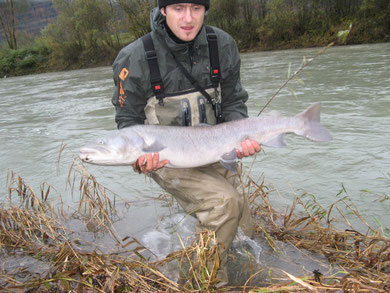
x=180, y=74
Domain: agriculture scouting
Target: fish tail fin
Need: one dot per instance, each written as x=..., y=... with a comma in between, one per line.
x=313, y=129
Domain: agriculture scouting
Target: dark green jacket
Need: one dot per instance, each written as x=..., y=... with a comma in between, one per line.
x=136, y=87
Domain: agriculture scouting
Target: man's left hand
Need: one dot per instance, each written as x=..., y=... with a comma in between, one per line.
x=248, y=148
x=149, y=163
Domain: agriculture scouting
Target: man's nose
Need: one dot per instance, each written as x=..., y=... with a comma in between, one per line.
x=188, y=15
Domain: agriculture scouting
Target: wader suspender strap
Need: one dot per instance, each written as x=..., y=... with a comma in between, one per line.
x=215, y=74
x=214, y=56
x=155, y=76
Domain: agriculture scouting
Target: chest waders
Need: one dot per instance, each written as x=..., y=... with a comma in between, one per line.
x=210, y=193
x=187, y=108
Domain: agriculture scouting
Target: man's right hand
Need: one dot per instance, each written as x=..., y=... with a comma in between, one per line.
x=249, y=148
x=149, y=163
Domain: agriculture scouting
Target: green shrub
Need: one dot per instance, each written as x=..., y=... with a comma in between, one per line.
x=23, y=61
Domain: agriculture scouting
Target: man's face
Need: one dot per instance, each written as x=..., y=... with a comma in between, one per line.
x=185, y=20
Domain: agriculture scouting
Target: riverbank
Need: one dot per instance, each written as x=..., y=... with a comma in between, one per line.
x=40, y=58
x=78, y=40
x=37, y=234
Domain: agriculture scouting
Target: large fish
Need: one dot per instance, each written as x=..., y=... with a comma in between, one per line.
x=188, y=147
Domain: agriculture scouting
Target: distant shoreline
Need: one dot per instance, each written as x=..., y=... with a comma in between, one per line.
x=25, y=61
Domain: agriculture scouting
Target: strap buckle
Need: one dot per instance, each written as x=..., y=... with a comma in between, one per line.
x=211, y=36
x=151, y=55
x=215, y=76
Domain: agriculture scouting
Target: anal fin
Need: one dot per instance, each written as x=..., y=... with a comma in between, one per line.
x=276, y=142
x=228, y=160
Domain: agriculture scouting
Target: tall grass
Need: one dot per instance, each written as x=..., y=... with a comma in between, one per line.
x=31, y=225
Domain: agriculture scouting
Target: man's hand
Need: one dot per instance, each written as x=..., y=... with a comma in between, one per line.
x=249, y=147
x=149, y=163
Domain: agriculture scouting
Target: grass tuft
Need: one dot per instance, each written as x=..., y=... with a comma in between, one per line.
x=30, y=227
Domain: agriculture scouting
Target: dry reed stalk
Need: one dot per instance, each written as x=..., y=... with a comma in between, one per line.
x=95, y=205
x=32, y=226
x=31, y=218
x=365, y=258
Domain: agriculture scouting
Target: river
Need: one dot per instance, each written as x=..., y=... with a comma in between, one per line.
x=41, y=113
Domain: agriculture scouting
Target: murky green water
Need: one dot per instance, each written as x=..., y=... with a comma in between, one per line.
x=40, y=113
x=353, y=85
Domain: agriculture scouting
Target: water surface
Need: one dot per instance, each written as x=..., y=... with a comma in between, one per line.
x=41, y=113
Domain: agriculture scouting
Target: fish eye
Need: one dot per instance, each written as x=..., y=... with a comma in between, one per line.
x=101, y=141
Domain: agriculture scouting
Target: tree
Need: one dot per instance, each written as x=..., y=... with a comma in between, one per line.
x=8, y=11
x=223, y=14
x=82, y=33
x=373, y=21
x=138, y=15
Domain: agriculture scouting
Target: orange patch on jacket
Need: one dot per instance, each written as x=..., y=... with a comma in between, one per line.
x=122, y=97
x=124, y=73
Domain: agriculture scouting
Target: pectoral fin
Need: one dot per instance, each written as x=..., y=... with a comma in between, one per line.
x=228, y=160
x=155, y=147
x=150, y=145
x=276, y=142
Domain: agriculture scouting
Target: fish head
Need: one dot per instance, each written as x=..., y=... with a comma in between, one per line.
x=115, y=149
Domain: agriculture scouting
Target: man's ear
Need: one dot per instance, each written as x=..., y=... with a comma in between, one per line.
x=162, y=10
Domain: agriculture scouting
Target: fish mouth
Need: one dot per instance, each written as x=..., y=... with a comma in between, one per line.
x=86, y=154
x=88, y=158
x=92, y=156
x=84, y=157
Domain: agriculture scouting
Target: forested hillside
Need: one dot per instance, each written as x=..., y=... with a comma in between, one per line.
x=84, y=33
x=30, y=18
